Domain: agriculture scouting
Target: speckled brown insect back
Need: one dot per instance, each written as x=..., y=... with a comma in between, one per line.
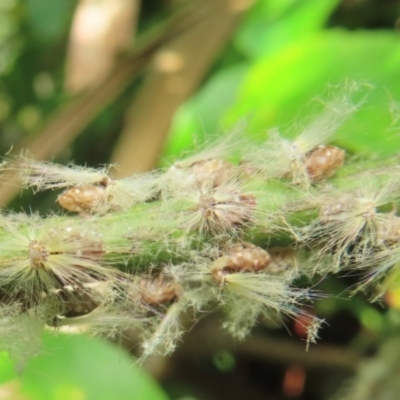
x=205, y=174
x=323, y=161
x=334, y=209
x=159, y=290
x=85, y=198
x=243, y=257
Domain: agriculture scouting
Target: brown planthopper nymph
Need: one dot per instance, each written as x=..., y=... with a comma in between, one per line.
x=323, y=161
x=159, y=290
x=84, y=198
x=243, y=257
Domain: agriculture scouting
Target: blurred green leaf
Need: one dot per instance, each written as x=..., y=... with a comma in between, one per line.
x=7, y=368
x=50, y=19
x=81, y=368
x=278, y=87
x=273, y=24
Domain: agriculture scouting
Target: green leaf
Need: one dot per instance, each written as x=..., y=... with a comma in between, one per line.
x=82, y=368
x=273, y=24
x=7, y=368
x=50, y=19
x=277, y=90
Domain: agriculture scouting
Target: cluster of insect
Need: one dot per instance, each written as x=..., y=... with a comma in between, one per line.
x=141, y=252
